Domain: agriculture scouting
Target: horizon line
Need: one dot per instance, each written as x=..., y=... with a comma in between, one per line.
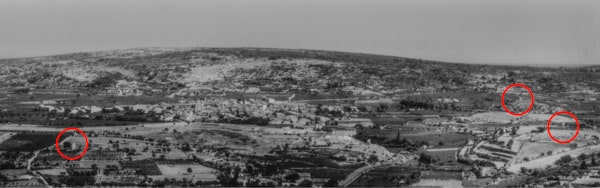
x=512, y=64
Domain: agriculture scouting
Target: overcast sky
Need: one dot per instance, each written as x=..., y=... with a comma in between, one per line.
x=517, y=32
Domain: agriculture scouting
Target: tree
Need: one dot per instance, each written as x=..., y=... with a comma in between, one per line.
x=305, y=183
x=583, y=157
x=513, y=130
x=105, y=81
x=331, y=183
x=426, y=158
x=373, y=159
x=564, y=160
x=253, y=183
x=573, y=145
x=583, y=165
x=292, y=177
x=250, y=170
x=189, y=170
x=186, y=148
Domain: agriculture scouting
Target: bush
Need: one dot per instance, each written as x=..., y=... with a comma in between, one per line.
x=426, y=158
x=564, y=160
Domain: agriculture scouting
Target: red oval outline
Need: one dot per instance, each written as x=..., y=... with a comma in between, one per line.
x=530, y=96
x=58, y=147
x=563, y=141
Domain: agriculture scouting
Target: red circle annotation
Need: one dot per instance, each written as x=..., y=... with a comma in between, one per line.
x=550, y=122
x=58, y=144
x=530, y=95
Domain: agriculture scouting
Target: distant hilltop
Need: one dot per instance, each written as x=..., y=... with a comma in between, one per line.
x=247, y=51
x=177, y=71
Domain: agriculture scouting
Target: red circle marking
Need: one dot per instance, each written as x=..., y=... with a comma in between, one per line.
x=58, y=145
x=563, y=141
x=530, y=95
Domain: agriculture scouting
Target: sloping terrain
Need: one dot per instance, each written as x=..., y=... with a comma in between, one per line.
x=172, y=69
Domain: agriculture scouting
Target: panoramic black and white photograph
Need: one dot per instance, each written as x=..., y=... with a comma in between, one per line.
x=300, y=93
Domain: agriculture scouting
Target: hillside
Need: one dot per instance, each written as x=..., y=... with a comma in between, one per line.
x=176, y=114
x=171, y=70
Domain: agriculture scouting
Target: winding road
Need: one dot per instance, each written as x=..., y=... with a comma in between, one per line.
x=362, y=170
x=35, y=154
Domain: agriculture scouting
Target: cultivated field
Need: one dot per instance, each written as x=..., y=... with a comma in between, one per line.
x=30, y=141
x=179, y=171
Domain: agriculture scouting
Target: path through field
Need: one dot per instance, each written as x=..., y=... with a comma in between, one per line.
x=442, y=149
x=549, y=160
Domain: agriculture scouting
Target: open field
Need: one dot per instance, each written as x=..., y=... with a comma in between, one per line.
x=535, y=150
x=539, y=145
x=441, y=175
x=30, y=141
x=147, y=167
x=48, y=97
x=504, y=118
x=545, y=152
x=382, y=177
x=5, y=136
x=180, y=169
x=135, y=128
x=391, y=121
x=251, y=138
x=444, y=156
x=543, y=162
x=433, y=138
x=53, y=172
x=489, y=126
x=191, y=171
x=438, y=183
x=326, y=172
x=186, y=170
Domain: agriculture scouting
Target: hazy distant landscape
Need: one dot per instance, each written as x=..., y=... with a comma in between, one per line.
x=291, y=117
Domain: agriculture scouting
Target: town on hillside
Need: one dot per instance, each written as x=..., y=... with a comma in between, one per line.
x=250, y=117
